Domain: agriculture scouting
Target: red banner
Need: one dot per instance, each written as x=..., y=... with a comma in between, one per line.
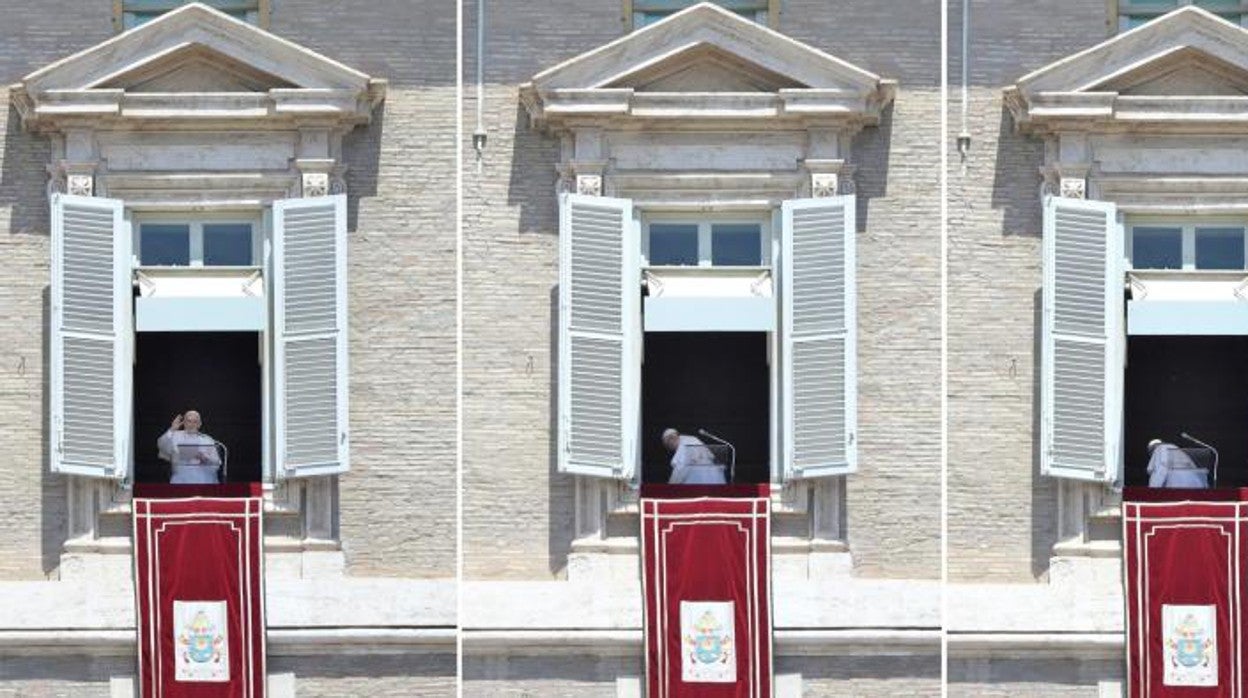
x=706, y=586
x=1184, y=596
x=199, y=580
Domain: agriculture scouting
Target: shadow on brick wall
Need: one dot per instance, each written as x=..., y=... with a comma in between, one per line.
x=1043, y=489
x=23, y=178
x=361, y=151
x=562, y=495
x=1016, y=179
x=871, y=151
x=534, y=194
x=53, y=504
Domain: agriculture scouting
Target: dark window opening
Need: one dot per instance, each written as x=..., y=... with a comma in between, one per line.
x=1197, y=385
x=216, y=373
x=717, y=381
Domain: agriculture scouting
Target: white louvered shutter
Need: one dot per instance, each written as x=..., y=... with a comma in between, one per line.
x=91, y=337
x=819, y=373
x=599, y=320
x=310, y=324
x=1082, y=367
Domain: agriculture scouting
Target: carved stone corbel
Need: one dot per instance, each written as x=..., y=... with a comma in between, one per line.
x=80, y=185
x=1074, y=187
x=829, y=177
x=824, y=184
x=589, y=184
x=75, y=178
x=315, y=184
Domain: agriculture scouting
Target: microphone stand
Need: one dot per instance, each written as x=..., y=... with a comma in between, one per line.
x=225, y=460
x=732, y=453
x=1195, y=440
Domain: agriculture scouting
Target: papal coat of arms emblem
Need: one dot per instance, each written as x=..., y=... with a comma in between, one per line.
x=200, y=641
x=707, y=633
x=1190, y=645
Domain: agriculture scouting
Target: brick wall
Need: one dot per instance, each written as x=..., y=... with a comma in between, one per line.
x=1002, y=513
x=517, y=510
x=396, y=506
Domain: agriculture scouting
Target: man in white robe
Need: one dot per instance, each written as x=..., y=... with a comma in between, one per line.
x=1169, y=466
x=193, y=455
x=692, y=462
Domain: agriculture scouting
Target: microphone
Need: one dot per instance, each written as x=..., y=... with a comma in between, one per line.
x=1195, y=440
x=225, y=457
x=732, y=451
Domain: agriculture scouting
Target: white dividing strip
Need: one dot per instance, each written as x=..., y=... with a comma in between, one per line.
x=1139, y=598
x=249, y=681
x=752, y=621
x=751, y=538
x=257, y=542
x=1237, y=612
x=166, y=525
x=1147, y=592
x=752, y=599
x=765, y=580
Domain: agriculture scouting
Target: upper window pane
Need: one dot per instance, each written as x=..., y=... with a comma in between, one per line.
x=164, y=245
x=136, y=12
x=1133, y=13
x=1219, y=248
x=647, y=12
x=227, y=244
x=673, y=244
x=736, y=244
x=1157, y=248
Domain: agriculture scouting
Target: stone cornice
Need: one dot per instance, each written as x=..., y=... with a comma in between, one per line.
x=105, y=86
x=772, y=79
x=1102, y=89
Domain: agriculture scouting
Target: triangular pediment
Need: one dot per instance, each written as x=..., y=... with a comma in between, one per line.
x=194, y=68
x=705, y=68
x=1183, y=72
x=1188, y=52
x=191, y=42
x=706, y=48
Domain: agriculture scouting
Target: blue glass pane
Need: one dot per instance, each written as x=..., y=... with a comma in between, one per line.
x=677, y=5
x=1217, y=4
x=1157, y=248
x=648, y=17
x=736, y=244
x=1219, y=248
x=162, y=244
x=673, y=244
x=227, y=244
x=130, y=20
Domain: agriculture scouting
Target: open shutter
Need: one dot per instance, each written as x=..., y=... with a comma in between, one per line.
x=1081, y=401
x=819, y=374
x=91, y=342
x=599, y=369
x=310, y=328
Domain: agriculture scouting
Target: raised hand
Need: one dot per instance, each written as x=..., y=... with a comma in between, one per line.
x=177, y=423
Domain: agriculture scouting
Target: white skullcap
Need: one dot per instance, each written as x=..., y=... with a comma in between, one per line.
x=668, y=433
x=1153, y=444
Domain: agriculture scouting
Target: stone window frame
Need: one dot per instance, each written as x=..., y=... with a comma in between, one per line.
x=705, y=221
x=1187, y=226
x=195, y=222
x=628, y=16
x=1119, y=13
x=290, y=81
x=263, y=12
